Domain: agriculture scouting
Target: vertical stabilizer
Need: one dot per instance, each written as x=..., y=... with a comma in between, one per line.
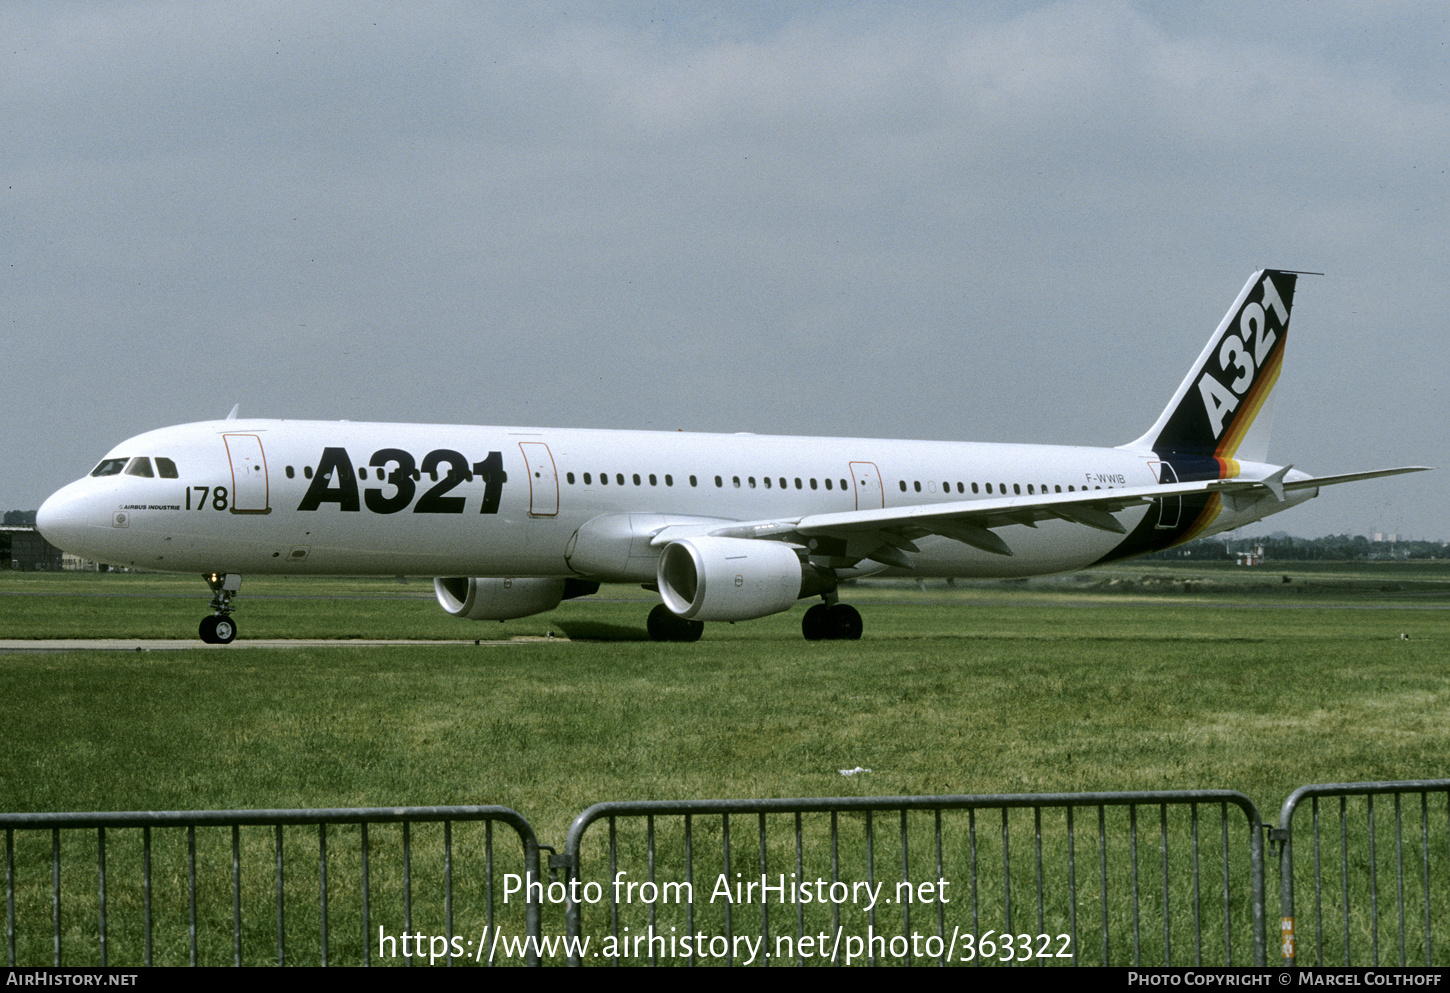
x=1224, y=408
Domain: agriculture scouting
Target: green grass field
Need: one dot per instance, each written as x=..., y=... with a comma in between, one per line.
x=1122, y=681
x=1145, y=677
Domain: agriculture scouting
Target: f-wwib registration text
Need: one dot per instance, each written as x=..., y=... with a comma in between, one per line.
x=783, y=889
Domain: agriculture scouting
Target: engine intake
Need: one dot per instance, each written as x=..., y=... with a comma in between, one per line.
x=731, y=579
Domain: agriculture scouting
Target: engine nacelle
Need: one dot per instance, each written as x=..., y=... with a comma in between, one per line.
x=489, y=599
x=730, y=579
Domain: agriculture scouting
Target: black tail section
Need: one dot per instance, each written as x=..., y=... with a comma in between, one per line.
x=1224, y=409
x=1221, y=413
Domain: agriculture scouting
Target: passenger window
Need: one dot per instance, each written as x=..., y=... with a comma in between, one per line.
x=917, y=484
x=766, y=481
x=636, y=479
x=989, y=487
x=307, y=472
x=782, y=483
x=828, y=484
x=1029, y=489
x=652, y=480
x=843, y=484
x=570, y=477
x=813, y=482
x=694, y=481
x=669, y=480
x=974, y=487
x=166, y=469
x=797, y=482
x=751, y=482
x=719, y=483
x=619, y=478
x=290, y=473
x=604, y=479
x=140, y=466
x=736, y=481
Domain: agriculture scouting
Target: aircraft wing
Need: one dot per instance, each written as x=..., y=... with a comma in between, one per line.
x=890, y=530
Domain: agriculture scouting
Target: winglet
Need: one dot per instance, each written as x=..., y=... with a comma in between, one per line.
x=236, y=409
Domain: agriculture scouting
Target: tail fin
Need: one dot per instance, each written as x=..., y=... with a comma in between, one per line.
x=1224, y=408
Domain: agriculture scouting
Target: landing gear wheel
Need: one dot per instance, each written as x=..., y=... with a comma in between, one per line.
x=844, y=621
x=226, y=630
x=831, y=622
x=217, y=629
x=665, y=626
x=813, y=624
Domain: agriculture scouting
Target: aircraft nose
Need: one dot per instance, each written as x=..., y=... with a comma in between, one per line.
x=63, y=519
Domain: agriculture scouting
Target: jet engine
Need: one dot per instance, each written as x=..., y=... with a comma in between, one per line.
x=490, y=599
x=734, y=579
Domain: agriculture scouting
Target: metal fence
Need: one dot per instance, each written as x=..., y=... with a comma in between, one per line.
x=1159, y=878
x=1376, y=878
x=274, y=885
x=1086, y=878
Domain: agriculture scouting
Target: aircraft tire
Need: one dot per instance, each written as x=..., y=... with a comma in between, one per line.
x=217, y=629
x=226, y=630
x=665, y=626
x=814, y=625
x=844, y=622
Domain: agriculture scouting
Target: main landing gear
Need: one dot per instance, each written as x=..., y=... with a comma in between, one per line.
x=219, y=628
x=822, y=622
x=665, y=626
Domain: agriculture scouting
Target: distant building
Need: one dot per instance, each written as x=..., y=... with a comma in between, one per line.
x=1255, y=557
x=29, y=551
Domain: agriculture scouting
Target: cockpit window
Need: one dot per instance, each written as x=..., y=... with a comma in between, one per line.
x=139, y=466
x=165, y=468
x=109, y=467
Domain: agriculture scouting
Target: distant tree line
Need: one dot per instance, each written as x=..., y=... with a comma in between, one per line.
x=1331, y=548
x=21, y=517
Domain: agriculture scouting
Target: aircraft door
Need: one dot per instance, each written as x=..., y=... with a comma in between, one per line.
x=249, y=473
x=543, y=479
x=866, y=480
x=1169, y=508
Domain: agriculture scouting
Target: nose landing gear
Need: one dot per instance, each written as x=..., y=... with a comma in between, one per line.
x=219, y=628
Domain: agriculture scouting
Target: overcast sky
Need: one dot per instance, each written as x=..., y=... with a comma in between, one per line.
x=985, y=222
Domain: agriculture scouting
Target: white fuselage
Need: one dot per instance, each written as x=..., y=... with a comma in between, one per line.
x=246, y=496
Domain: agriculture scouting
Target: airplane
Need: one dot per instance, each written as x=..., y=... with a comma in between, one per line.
x=725, y=527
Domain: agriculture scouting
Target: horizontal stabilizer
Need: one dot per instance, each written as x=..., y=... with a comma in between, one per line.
x=1353, y=477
